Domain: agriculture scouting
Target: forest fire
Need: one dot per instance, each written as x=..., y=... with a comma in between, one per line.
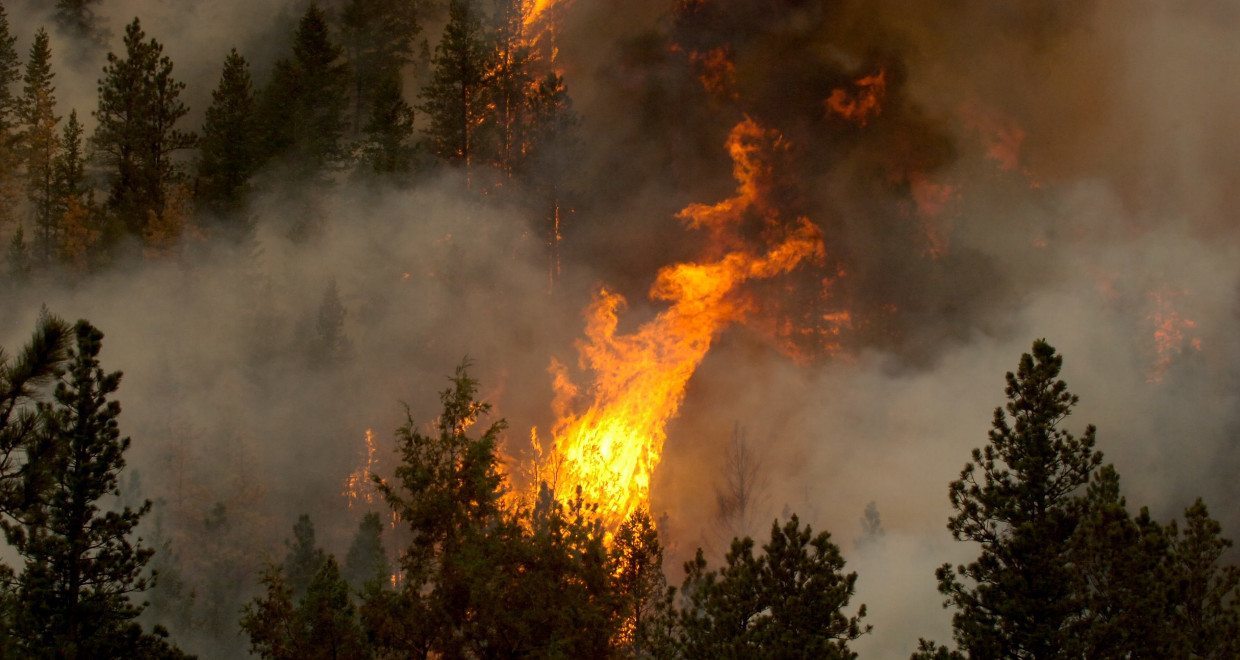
x=610, y=448
x=536, y=11
x=358, y=487
x=866, y=102
x=1173, y=332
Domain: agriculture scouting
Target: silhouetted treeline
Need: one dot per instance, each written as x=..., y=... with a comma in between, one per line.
x=1064, y=569
x=334, y=108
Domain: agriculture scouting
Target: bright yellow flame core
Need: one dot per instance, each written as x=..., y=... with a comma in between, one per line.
x=536, y=9
x=611, y=448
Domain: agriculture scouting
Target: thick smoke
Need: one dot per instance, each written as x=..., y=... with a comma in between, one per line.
x=1064, y=171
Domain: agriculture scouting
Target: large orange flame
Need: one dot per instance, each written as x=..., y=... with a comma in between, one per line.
x=536, y=9
x=610, y=448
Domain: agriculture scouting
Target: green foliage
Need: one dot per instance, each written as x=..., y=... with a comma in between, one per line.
x=323, y=624
x=228, y=149
x=1206, y=592
x=378, y=37
x=1016, y=599
x=24, y=451
x=304, y=106
x=304, y=557
x=139, y=106
x=10, y=74
x=447, y=489
x=70, y=167
x=645, y=604
x=18, y=257
x=80, y=566
x=10, y=165
x=388, y=148
x=786, y=603
x=1122, y=578
x=455, y=101
x=366, y=561
x=41, y=145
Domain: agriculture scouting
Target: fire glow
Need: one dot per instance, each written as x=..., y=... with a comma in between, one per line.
x=866, y=102
x=610, y=447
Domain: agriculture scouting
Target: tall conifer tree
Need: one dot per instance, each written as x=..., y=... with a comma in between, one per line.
x=10, y=74
x=378, y=37
x=139, y=106
x=1020, y=500
x=388, y=149
x=228, y=154
x=455, y=100
x=304, y=108
x=41, y=145
x=81, y=566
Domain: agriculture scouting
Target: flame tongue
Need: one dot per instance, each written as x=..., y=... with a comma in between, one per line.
x=611, y=448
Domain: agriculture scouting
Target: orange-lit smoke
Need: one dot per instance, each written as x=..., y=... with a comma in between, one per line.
x=609, y=437
x=716, y=72
x=931, y=200
x=865, y=102
x=1173, y=332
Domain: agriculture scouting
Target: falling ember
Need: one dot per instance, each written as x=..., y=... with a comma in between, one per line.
x=863, y=103
x=1173, y=333
x=358, y=488
x=610, y=448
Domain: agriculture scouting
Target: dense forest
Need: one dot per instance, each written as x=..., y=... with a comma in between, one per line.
x=294, y=223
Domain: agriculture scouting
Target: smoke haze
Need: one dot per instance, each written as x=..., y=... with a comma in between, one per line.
x=1064, y=171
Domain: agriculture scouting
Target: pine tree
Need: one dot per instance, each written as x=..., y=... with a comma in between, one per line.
x=644, y=600
x=455, y=100
x=871, y=527
x=304, y=557
x=510, y=85
x=10, y=119
x=269, y=619
x=448, y=490
x=1017, y=599
x=304, y=107
x=10, y=74
x=328, y=617
x=1122, y=578
x=1206, y=592
x=330, y=346
x=77, y=19
x=388, y=149
x=366, y=561
x=136, y=138
x=228, y=150
x=551, y=145
x=80, y=565
x=70, y=166
x=378, y=37
x=75, y=210
x=18, y=257
x=789, y=602
x=323, y=624
x=41, y=145
x=23, y=451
